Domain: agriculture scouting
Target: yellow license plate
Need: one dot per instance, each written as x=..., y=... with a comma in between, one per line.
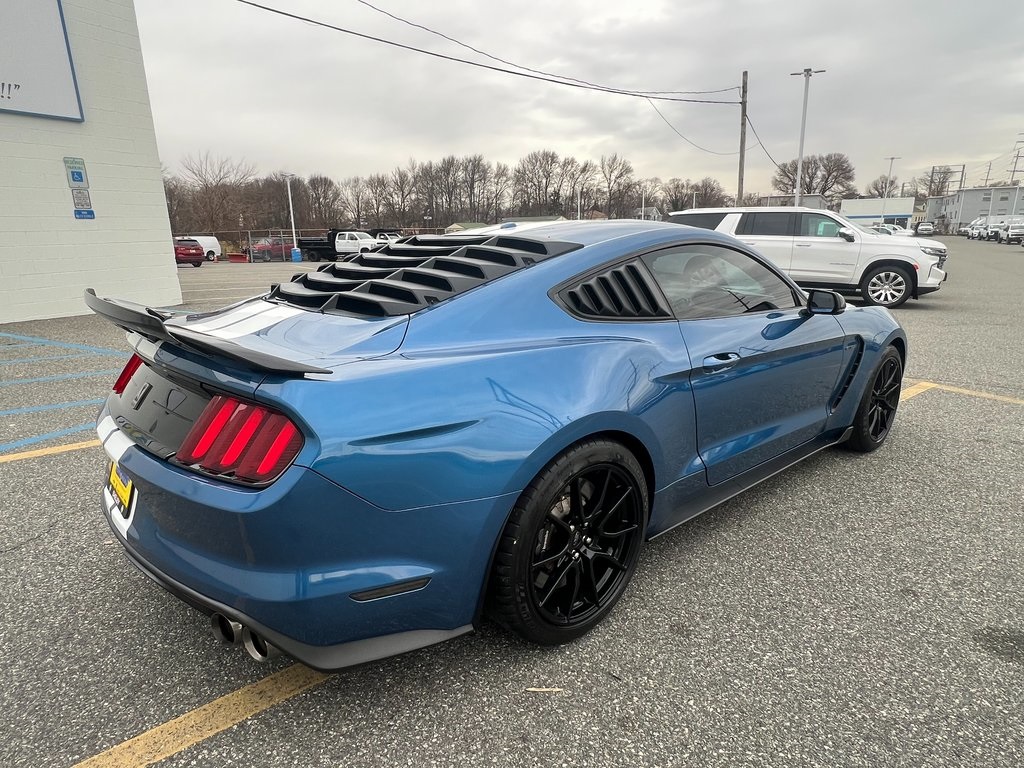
x=120, y=488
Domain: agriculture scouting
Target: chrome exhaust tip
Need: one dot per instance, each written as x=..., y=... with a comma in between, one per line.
x=257, y=647
x=225, y=630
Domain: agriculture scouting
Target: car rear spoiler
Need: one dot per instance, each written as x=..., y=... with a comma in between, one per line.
x=149, y=322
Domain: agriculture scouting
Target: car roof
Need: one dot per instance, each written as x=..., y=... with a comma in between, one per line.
x=757, y=208
x=582, y=232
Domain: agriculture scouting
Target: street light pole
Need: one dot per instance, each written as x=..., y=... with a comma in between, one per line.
x=291, y=211
x=888, y=181
x=807, y=73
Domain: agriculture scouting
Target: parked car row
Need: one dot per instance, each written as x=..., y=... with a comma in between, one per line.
x=1002, y=229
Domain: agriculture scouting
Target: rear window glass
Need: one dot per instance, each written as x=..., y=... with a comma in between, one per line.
x=187, y=243
x=702, y=220
x=765, y=224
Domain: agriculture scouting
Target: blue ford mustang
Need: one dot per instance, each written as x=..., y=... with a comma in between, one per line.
x=371, y=457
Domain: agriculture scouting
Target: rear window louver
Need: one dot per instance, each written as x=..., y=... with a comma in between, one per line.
x=624, y=292
x=402, y=278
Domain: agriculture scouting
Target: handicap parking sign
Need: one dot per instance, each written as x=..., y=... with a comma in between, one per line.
x=78, y=178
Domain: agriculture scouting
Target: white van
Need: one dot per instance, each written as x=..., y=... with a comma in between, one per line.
x=210, y=244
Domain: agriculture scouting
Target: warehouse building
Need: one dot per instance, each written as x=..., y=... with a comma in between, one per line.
x=886, y=210
x=81, y=194
x=950, y=212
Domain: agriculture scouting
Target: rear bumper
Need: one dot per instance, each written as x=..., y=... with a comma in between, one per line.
x=294, y=560
x=323, y=657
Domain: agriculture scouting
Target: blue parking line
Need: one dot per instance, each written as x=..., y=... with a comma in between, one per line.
x=51, y=407
x=59, y=377
x=47, y=357
x=41, y=438
x=51, y=343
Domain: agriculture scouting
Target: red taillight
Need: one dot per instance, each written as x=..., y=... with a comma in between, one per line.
x=240, y=439
x=126, y=374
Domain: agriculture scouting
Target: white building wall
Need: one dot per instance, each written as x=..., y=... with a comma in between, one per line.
x=869, y=209
x=47, y=257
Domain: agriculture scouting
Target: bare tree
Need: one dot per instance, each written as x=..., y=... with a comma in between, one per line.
x=677, y=194
x=534, y=180
x=827, y=175
x=474, y=174
x=179, y=203
x=377, y=197
x=400, y=192
x=938, y=181
x=449, y=187
x=498, y=191
x=354, y=200
x=883, y=186
x=648, y=196
x=324, y=201
x=617, y=173
x=216, y=184
x=710, y=193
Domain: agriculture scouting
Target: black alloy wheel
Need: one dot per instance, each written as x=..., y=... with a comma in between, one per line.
x=877, y=410
x=571, y=544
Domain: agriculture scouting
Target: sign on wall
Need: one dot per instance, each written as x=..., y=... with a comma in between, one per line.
x=37, y=76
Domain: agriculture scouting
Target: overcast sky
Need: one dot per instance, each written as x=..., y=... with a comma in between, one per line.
x=933, y=83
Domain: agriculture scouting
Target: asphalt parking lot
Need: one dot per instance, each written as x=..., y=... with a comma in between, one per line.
x=853, y=611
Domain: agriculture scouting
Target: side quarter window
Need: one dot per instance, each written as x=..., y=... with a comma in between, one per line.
x=704, y=281
x=772, y=223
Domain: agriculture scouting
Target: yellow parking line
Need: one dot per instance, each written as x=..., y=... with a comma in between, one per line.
x=172, y=737
x=916, y=389
x=47, y=451
x=976, y=393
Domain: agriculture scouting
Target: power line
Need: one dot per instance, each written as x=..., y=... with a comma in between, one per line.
x=677, y=133
x=480, y=65
x=529, y=69
x=761, y=143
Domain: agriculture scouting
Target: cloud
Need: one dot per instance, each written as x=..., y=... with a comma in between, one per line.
x=931, y=85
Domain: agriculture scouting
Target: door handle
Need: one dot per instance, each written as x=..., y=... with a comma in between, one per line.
x=748, y=242
x=803, y=245
x=721, y=361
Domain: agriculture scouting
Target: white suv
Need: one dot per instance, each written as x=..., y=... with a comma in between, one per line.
x=1012, y=231
x=821, y=249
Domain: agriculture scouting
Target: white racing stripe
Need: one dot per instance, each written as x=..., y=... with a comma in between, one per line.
x=115, y=442
x=233, y=316
x=245, y=323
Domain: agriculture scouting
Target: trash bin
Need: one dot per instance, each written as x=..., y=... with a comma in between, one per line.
x=296, y=254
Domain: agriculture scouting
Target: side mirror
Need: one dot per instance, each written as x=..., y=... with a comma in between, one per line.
x=822, y=302
x=847, y=234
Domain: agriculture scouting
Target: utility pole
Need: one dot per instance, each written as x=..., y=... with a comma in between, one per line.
x=743, y=137
x=1013, y=172
x=888, y=181
x=807, y=73
x=987, y=173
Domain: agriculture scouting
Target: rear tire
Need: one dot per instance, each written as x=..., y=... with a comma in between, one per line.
x=878, y=405
x=571, y=544
x=197, y=263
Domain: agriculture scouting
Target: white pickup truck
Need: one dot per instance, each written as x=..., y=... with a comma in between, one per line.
x=336, y=245
x=821, y=249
